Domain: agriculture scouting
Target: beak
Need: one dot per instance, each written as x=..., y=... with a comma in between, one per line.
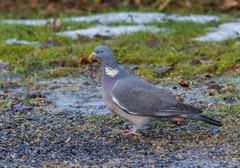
x=92, y=55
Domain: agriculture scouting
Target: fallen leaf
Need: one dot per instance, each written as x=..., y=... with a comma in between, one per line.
x=210, y=104
x=98, y=36
x=227, y=4
x=55, y=25
x=216, y=86
x=137, y=2
x=113, y=115
x=50, y=9
x=233, y=68
x=153, y=41
x=167, y=67
x=34, y=52
x=208, y=75
x=198, y=61
x=182, y=83
x=82, y=59
x=81, y=38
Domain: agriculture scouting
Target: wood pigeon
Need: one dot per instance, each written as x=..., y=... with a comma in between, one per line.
x=137, y=100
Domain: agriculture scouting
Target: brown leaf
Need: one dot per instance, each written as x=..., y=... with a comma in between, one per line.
x=55, y=25
x=208, y=75
x=227, y=4
x=97, y=36
x=81, y=38
x=153, y=41
x=183, y=83
x=216, y=86
x=50, y=9
x=82, y=59
x=198, y=61
x=113, y=115
x=137, y=2
x=34, y=52
x=233, y=68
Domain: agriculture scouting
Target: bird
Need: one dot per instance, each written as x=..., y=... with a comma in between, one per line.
x=137, y=100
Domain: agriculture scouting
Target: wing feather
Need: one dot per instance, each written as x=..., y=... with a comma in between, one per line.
x=138, y=97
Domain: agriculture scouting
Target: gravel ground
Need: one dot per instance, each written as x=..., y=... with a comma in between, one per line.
x=68, y=125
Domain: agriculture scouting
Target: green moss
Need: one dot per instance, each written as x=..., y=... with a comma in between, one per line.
x=174, y=42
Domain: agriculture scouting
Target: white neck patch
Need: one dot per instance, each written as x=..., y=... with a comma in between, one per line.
x=111, y=72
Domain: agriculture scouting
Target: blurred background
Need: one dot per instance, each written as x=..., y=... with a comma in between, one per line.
x=54, y=7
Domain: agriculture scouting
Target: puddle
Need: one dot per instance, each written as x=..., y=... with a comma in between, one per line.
x=108, y=31
x=129, y=17
x=223, y=32
x=73, y=95
x=15, y=41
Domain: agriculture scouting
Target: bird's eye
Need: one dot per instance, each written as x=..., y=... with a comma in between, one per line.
x=102, y=51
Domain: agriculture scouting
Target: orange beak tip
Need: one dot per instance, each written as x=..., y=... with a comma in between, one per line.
x=92, y=55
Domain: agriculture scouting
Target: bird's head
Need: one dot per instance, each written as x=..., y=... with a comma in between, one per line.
x=102, y=53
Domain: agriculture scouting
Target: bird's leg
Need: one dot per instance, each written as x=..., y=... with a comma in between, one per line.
x=132, y=131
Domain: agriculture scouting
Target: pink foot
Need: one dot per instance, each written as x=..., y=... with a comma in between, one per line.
x=132, y=131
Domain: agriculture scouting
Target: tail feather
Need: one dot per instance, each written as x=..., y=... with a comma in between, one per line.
x=206, y=119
